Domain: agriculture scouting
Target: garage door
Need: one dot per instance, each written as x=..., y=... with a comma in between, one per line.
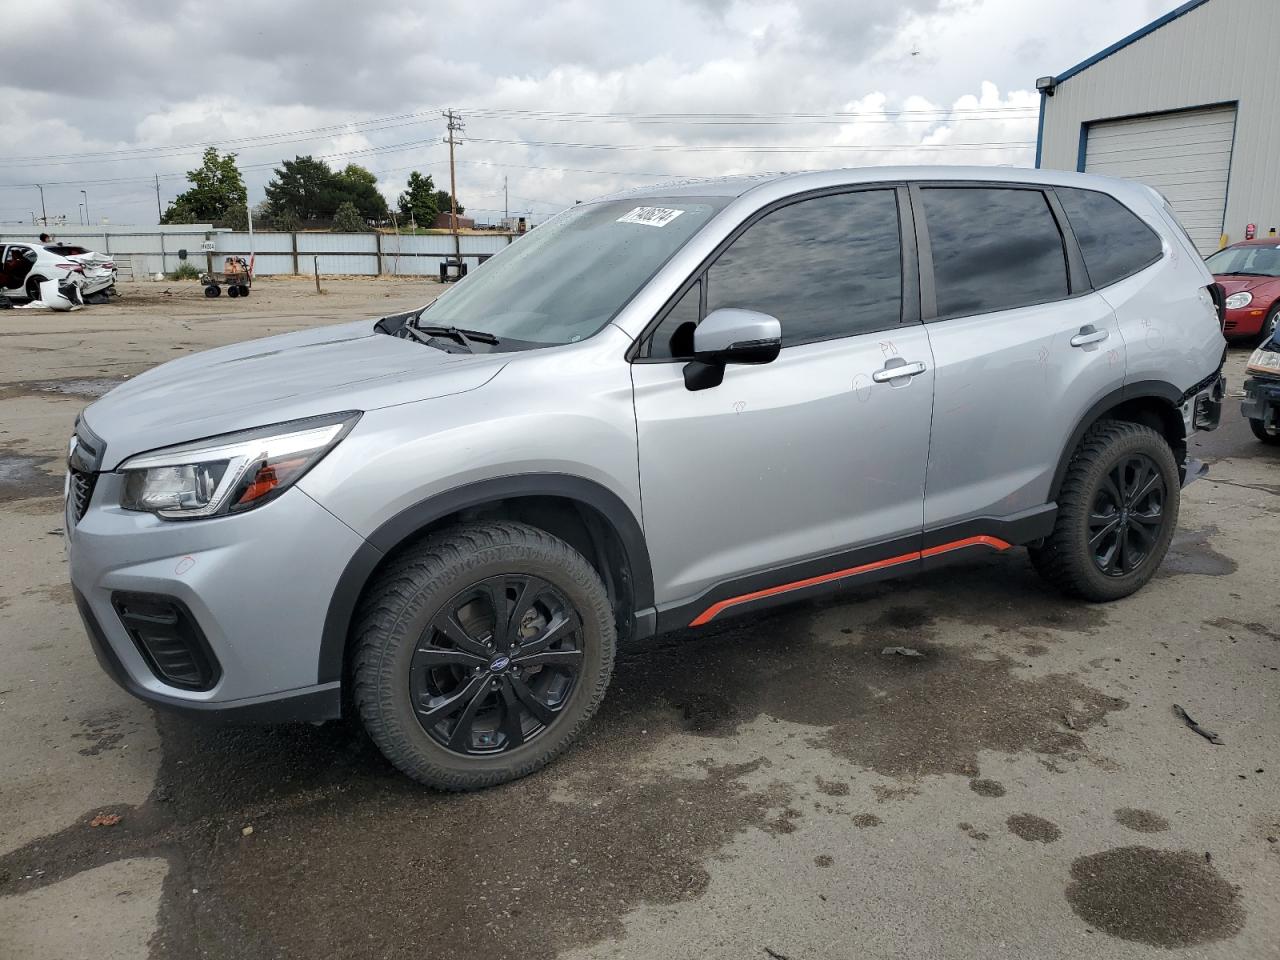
x=1185, y=155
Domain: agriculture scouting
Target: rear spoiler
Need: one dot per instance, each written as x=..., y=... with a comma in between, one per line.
x=1219, y=301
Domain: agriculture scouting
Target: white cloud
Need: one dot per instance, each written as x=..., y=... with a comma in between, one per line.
x=929, y=81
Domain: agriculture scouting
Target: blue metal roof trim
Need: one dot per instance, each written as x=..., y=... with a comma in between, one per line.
x=1151, y=27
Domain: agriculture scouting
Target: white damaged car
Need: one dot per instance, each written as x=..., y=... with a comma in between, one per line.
x=25, y=266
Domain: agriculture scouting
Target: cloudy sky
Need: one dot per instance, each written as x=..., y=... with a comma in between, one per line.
x=568, y=99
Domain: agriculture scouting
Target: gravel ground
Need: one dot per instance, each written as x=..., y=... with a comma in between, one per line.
x=773, y=787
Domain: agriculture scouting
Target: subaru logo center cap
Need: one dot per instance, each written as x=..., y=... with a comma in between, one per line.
x=500, y=664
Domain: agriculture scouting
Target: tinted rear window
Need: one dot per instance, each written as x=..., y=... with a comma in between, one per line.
x=63, y=250
x=993, y=248
x=1114, y=242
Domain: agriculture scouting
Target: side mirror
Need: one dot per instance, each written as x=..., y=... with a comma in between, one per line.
x=730, y=335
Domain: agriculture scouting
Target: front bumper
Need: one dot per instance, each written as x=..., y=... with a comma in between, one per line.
x=256, y=585
x=1262, y=400
x=1243, y=322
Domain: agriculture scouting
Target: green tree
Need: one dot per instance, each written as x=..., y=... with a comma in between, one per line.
x=442, y=202
x=216, y=189
x=419, y=199
x=359, y=186
x=302, y=188
x=347, y=219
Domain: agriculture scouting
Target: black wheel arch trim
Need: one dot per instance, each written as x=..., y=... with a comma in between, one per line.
x=412, y=520
x=1139, y=390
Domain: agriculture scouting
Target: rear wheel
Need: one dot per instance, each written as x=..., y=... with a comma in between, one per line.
x=1117, y=511
x=244, y=290
x=481, y=653
x=1259, y=429
x=33, y=288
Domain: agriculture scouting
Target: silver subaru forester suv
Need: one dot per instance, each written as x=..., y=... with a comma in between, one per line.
x=657, y=410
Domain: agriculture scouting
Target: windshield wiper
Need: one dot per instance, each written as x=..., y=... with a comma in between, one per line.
x=465, y=337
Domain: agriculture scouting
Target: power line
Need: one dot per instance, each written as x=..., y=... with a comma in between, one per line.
x=939, y=115
x=737, y=148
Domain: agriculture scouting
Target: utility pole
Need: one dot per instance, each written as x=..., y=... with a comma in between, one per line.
x=87, y=221
x=455, y=126
x=159, y=212
x=44, y=214
x=506, y=213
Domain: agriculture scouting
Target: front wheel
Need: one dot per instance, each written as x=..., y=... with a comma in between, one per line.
x=1117, y=512
x=1260, y=431
x=481, y=653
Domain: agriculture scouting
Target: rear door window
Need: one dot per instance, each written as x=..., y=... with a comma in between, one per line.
x=1114, y=242
x=993, y=248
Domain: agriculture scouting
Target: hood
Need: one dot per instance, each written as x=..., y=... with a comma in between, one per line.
x=1234, y=283
x=287, y=377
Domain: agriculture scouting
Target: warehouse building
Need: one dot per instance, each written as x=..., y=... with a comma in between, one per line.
x=1189, y=104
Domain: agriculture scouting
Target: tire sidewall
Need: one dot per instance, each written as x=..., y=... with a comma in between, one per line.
x=1152, y=446
x=392, y=690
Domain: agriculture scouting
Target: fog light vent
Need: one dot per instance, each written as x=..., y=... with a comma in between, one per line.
x=167, y=636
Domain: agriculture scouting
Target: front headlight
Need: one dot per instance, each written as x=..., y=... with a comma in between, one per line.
x=1238, y=300
x=1265, y=360
x=232, y=472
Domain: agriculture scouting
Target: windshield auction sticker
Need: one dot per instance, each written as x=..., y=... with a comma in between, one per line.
x=650, y=216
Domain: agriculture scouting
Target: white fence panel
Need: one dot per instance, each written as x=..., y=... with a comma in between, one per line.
x=262, y=242
x=337, y=243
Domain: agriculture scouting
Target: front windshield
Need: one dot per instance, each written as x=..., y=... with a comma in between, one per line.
x=1261, y=260
x=565, y=280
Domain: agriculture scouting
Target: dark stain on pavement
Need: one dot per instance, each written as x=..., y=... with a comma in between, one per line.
x=348, y=858
x=1165, y=898
x=832, y=788
x=1032, y=828
x=864, y=820
x=987, y=788
x=1143, y=821
x=1257, y=629
x=80, y=388
x=23, y=476
x=1191, y=553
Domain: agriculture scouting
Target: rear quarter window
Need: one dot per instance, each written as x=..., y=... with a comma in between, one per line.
x=1114, y=242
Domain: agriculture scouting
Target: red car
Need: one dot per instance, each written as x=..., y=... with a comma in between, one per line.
x=1249, y=272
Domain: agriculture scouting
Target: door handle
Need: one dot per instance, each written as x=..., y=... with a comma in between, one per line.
x=896, y=371
x=1089, y=334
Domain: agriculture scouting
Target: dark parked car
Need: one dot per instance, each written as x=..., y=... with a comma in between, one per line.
x=1262, y=390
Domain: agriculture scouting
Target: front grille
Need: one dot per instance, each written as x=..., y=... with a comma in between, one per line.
x=81, y=491
x=169, y=639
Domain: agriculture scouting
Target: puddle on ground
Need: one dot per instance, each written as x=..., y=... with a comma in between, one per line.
x=1143, y=821
x=1165, y=898
x=1191, y=553
x=1032, y=828
x=23, y=476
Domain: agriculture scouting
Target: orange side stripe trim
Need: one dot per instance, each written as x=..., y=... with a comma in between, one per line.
x=994, y=542
x=715, y=609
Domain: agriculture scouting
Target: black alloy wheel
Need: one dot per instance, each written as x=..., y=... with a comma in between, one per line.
x=496, y=665
x=1128, y=515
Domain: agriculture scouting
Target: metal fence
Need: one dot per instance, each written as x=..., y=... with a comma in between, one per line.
x=360, y=254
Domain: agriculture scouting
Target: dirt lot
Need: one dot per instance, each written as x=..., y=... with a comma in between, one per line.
x=771, y=788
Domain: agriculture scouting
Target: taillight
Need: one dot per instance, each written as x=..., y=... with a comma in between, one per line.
x=69, y=266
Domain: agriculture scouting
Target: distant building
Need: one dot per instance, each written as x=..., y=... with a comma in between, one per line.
x=1189, y=104
x=444, y=221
